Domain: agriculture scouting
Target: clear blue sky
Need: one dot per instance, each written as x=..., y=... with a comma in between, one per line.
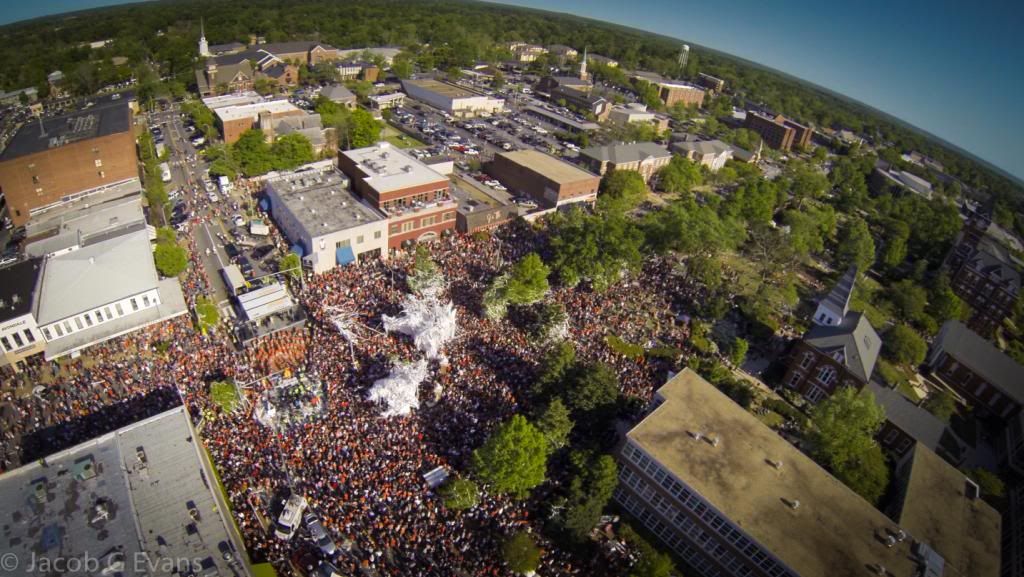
x=951, y=67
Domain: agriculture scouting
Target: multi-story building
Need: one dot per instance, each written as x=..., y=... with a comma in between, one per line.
x=387, y=101
x=137, y=496
x=603, y=60
x=227, y=78
x=733, y=498
x=647, y=158
x=984, y=275
x=563, y=52
x=907, y=423
x=547, y=180
x=49, y=163
x=672, y=93
x=547, y=84
x=710, y=153
x=527, y=52
x=233, y=121
x=637, y=113
x=315, y=209
x=884, y=177
x=986, y=378
x=582, y=101
x=711, y=82
x=414, y=197
x=561, y=122
x=829, y=357
x=801, y=133
x=775, y=133
x=456, y=100
x=20, y=337
x=954, y=531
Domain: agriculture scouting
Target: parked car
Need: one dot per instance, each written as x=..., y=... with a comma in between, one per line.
x=259, y=253
x=320, y=536
x=291, y=515
x=231, y=249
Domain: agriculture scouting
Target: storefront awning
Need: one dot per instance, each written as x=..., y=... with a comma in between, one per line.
x=345, y=255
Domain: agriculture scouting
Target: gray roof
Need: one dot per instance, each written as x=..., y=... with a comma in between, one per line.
x=917, y=422
x=128, y=492
x=338, y=93
x=104, y=118
x=982, y=357
x=839, y=297
x=626, y=153
x=702, y=146
x=855, y=338
x=321, y=202
x=88, y=224
x=96, y=275
x=994, y=262
x=17, y=282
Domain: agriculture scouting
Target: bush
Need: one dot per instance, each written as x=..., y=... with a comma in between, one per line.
x=623, y=348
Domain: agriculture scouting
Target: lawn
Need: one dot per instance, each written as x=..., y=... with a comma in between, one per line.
x=771, y=418
x=899, y=377
x=263, y=570
x=224, y=395
x=400, y=139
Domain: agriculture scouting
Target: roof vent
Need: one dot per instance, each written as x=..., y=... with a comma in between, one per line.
x=793, y=504
x=776, y=464
x=92, y=260
x=697, y=435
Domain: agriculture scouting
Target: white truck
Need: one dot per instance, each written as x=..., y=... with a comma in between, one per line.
x=165, y=172
x=224, y=185
x=291, y=517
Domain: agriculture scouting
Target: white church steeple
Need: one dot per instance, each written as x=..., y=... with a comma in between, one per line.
x=204, y=48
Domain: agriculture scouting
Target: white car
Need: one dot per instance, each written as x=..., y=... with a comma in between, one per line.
x=209, y=186
x=213, y=197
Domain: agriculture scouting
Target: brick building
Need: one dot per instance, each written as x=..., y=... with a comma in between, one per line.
x=414, y=197
x=984, y=275
x=232, y=121
x=547, y=180
x=832, y=356
x=774, y=133
x=689, y=95
x=647, y=158
x=69, y=155
x=711, y=82
x=973, y=368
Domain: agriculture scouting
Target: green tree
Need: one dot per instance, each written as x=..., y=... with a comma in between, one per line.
x=460, y=494
x=738, y=351
x=680, y=175
x=425, y=275
x=556, y=424
x=942, y=404
x=593, y=386
x=207, y=313
x=291, y=150
x=806, y=182
x=909, y=298
x=170, y=259
x=593, y=247
x=855, y=246
x=521, y=553
x=528, y=280
x=653, y=563
x=844, y=426
x=943, y=304
x=690, y=228
x=555, y=368
x=895, y=251
x=402, y=65
x=594, y=480
x=513, y=460
x=621, y=191
x=904, y=346
x=253, y=153
x=989, y=483
x=498, y=82
x=291, y=265
x=364, y=129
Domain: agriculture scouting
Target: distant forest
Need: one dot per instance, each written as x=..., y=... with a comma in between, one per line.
x=442, y=33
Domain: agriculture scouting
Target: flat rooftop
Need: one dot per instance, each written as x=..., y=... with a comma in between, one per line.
x=548, y=166
x=17, y=283
x=443, y=88
x=388, y=168
x=242, y=98
x=558, y=118
x=833, y=531
x=104, y=118
x=133, y=489
x=229, y=113
x=965, y=531
x=322, y=201
x=85, y=225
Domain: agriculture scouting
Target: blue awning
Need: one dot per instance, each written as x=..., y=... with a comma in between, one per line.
x=298, y=249
x=345, y=255
x=264, y=204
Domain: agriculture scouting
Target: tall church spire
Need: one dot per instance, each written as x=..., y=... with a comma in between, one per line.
x=583, y=65
x=204, y=48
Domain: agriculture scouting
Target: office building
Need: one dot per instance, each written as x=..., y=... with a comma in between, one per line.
x=774, y=133
x=885, y=177
x=711, y=82
x=233, y=121
x=64, y=157
x=137, y=501
x=414, y=197
x=456, y=100
x=989, y=380
x=647, y=158
x=545, y=179
x=20, y=337
x=731, y=497
x=323, y=220
x=387, y=101
x=672, y=93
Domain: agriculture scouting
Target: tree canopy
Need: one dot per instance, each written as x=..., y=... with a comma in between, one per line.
x=844, y=427
x=621, y=191
x=855, y=246
x=514, y=458
x=597, y=248
x=170, y=259
x=903, y=345
x=521, y=553
x=680, y=175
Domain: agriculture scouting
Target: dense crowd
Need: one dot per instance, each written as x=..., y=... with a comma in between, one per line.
x=362, y=473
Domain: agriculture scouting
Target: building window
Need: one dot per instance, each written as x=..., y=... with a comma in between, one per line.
x=806, y=361
x=394, y=229
x=30, y=336
x=814, y=394
x=376, y=234
x=88, y=319
x=106, y=311
x=78, y=323
x=890, y=437
x=794, y=379
x=449, y=216
x=6, y=342
x=46, y=333
x=60, y=331
x=120, y=311
x=99, y=163
x=17, y=340
x=67, y=327
x=145, y=300
x=826, y=374
x=359, y=239
x=343, y=243
x=135, y=304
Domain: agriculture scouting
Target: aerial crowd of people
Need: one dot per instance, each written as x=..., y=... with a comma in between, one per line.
x=363, y=474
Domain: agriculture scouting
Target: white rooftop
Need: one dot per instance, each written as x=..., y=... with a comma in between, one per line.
x=388, y=168
x=229, y=113
x=95, y=275
x=265, y=301
x=215, y=102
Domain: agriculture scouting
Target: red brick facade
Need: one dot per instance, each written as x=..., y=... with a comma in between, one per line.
x=816, y=375
x=980, y=394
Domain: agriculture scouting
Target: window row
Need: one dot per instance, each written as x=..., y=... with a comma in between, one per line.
x=97, y=316
x=19, y=339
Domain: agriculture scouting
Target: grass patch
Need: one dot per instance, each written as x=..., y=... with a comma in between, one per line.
x=896, y=376
x=622, y=347
x=404, y=141
x=224, y=395
x=263, y=570
x=772, y=419
x=867, y=298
